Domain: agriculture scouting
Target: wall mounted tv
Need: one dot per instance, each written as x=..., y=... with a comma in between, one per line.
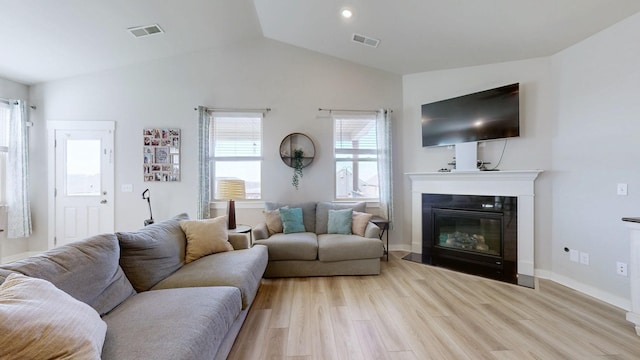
x=485, y=115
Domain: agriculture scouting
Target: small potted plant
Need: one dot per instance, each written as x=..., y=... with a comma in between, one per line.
x=296, y=163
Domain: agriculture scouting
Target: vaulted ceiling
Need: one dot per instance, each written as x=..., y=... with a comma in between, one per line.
x=48, y=40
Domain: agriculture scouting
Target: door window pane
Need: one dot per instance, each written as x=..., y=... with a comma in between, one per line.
x=83, y=167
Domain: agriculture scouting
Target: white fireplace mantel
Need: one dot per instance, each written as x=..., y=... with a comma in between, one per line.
x=517, y=183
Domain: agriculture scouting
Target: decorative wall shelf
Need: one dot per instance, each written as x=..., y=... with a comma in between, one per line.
x=297, y=141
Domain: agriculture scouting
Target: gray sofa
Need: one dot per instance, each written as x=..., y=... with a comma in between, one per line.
x=154, y=305
x=314, y=252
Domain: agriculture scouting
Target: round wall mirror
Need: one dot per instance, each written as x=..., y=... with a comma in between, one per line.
x=297, y=141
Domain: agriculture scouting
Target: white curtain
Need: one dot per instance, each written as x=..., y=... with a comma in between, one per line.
x=204, y=171
x=19, y=212
x=383, y=131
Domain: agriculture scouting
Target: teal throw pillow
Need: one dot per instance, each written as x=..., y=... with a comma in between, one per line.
x=340, y=221
x=291, y=220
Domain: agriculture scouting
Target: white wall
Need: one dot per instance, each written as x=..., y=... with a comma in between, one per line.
x=293, y=82
x=532, y=150
x=597, y=145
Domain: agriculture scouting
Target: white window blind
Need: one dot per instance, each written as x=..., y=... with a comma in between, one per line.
x=236, y=144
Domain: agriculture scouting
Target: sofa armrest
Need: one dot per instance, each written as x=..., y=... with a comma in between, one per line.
x=372, y=231
x=260, y=231
x=239, y=241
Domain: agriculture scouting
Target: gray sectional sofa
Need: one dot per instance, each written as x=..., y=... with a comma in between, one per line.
x=154, y=305
x=315, y=252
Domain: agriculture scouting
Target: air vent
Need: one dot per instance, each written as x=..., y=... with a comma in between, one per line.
x=142, y=31
x=365, y=40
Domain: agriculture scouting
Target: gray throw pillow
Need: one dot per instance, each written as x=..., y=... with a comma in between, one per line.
x=154, y=252
x=88, y=270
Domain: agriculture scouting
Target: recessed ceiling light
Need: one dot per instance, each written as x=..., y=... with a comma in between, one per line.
x=346, y=13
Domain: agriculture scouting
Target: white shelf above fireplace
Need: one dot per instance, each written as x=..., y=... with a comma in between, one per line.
x=519, y=183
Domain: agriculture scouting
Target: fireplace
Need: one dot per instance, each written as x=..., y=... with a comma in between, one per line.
x=518, y=184
x=472, y=234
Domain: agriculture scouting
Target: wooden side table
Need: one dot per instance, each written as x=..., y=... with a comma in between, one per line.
x=383, y=224
x=243, y=229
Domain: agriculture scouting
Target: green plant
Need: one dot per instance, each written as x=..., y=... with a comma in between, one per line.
x=296, y=163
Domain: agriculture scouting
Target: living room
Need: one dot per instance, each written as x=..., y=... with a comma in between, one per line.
x=577, y=125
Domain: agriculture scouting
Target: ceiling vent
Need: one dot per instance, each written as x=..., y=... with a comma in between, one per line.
x=142, y=31
x=365, y=40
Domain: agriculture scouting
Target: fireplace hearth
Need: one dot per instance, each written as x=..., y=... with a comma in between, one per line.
x=472, y=234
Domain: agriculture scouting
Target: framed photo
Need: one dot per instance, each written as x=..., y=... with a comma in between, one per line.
x=161, y=154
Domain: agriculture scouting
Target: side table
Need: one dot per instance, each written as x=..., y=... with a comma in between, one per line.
x=243, y=229
x=383, y=224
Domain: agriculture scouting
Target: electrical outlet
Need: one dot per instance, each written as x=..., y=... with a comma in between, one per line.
x=622, y=189
x=584, y=258
x=574, y=255
x=621, y=268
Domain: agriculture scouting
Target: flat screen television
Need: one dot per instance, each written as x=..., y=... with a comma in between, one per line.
x=485, y=115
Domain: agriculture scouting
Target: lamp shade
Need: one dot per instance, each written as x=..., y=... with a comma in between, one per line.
x=230, y=189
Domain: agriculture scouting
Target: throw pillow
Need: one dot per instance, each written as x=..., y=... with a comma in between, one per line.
x=205, y=237
x=273, y=221
x=292, y=220
x=152, y=253
x=40, y=321
x=340, y=221
x=359, y=222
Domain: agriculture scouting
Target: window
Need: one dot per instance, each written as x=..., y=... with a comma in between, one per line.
x=355, y=149
x=4, y=149
x=236, y=151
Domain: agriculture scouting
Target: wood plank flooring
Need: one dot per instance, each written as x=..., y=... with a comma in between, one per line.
x=415, y=311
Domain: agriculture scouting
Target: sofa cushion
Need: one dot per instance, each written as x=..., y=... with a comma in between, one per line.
x=40, y=321
x=176, y=324
x=205, y=237
x=298, y=246
x=322, y=213
x=87, y=269
x=336, y=247
x=308, y=212
x=340, y=221
x=359, y=222
x=153, y=252
x=242, y=269
x=273, y=221
x=292, y=220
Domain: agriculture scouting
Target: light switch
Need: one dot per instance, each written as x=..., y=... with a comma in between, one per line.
x=126, y=188
x=622, y=189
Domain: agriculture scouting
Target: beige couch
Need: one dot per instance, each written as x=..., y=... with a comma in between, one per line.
x=314, y=252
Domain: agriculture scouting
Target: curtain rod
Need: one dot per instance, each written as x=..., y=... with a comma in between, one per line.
x=8, y=101
x=348, y=110
x=234, y=109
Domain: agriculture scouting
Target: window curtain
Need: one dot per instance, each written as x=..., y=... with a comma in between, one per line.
x=19, y=212
x=204, y=171
x=383, y=131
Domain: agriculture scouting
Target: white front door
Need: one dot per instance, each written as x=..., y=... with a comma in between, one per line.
x=84, y=183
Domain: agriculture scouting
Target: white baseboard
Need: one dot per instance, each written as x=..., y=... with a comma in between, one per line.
x=609, y=298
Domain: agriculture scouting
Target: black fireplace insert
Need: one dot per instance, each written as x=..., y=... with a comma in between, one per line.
x=472, y=234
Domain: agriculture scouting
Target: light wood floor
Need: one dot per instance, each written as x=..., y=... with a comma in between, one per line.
x=414, y=311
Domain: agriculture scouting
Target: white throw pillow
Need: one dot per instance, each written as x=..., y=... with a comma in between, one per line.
x=40, y=321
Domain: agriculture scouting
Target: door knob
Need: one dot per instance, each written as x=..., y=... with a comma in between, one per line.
x=103, y=201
